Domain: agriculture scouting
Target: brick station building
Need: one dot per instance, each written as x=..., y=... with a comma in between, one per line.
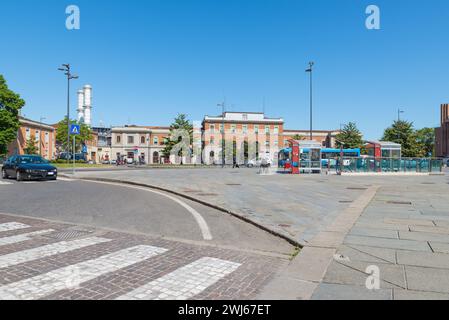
x=251, y=135
x=43, y=134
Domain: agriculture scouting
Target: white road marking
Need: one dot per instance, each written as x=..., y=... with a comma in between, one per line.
x=186, y=282
x=5, y=183
x=74, y=275
x=12, y=226
x=199, y=219
x=23, y=237
x=19, y=257
x=65, y=179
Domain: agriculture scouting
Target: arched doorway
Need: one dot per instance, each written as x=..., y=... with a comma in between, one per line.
x=156, y=157
x=212, y=157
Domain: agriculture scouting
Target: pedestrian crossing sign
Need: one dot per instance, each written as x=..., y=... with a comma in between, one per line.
x=75, y=129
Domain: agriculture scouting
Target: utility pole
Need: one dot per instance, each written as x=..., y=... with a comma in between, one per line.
x=40, y=135
x=67, y=71
x=399, y=114
x=310, y=70
x=223, y=144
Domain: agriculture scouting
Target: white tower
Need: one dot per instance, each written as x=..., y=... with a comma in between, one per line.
x=88, y=105
x=80, y=109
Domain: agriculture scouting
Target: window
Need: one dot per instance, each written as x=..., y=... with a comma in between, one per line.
x=233, y=128
x=245, y=129
x=267, y=143
x=28, y=134
x=256, y=129
x=47, y=137
x=212, y=140
x=276, y=130
x=276, y=143
x=119, y=139
x=37, y=135
x=267, y=129
x=212, y=128
x=142, y=140
x=221, y=128
x=130, y=140
x=156, y=141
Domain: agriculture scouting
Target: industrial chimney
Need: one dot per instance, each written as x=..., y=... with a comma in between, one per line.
x=88, y=105
x=80, y=109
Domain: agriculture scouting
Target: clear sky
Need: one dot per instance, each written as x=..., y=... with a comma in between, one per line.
x=149, y=60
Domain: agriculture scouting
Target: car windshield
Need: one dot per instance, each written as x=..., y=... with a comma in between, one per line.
x=32, y=160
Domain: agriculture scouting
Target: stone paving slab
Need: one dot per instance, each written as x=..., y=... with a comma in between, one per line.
x=415, y=265
x=353, y=273
x=328, y=291
x=439, y=247
x=423, y=259
x=368, y=254
x=388, y=243
x=424, y=236
x=427, y=279
x=372, y=232
x=418, y=295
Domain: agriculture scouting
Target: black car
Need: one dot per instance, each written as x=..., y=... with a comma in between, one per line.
x=28, y=168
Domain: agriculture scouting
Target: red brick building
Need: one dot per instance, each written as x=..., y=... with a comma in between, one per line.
x=442, y=134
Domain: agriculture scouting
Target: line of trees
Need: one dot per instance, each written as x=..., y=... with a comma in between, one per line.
x=415, y=143
x=10, y=105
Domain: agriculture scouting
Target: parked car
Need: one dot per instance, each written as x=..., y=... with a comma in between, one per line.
x=130, y=161
x=258, y=162
x=28, y=167
x=114, y=162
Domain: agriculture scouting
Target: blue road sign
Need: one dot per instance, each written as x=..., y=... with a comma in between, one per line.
x=75, y=129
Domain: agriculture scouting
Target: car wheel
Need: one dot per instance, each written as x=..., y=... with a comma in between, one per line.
x=19, y=176
x=4, y=175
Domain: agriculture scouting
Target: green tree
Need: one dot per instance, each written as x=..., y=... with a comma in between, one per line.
x=403, y=132
x=10, y=105
x=30, y=147
x=426, y=139
x=298, y=137
x=179, y=129
x=350, y=137
x=62, y=132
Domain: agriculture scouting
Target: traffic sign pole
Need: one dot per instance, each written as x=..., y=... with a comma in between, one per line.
x=74, y=157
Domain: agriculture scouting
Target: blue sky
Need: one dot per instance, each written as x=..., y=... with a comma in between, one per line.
x=150, y=60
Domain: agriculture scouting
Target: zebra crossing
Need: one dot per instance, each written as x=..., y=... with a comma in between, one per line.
x=183, y=283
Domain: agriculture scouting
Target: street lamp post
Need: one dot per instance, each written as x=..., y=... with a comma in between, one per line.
x=223, y=158
x=310, y=70
x=399, y=114
x=40, y=135
x=67, y=71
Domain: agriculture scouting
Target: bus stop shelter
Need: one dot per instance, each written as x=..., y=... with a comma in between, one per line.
x=306, y=156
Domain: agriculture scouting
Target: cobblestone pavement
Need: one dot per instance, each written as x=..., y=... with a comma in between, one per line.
x=46, y=260
x=404, y=235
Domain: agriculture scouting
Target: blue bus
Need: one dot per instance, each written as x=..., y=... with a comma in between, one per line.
x=328, y=156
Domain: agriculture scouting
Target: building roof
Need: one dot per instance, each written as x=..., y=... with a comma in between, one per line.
x=30, y=122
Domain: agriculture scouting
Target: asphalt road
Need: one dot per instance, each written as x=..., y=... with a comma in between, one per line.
x=132, y=210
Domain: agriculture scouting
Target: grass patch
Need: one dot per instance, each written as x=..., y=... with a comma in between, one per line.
x=295, y=253
x=80, y=165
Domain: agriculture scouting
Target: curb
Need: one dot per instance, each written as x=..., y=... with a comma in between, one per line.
x=205, y=203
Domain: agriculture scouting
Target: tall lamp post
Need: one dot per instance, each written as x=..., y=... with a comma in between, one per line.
x=40, y=135
x=310, y=70
x=67, y=71
x=223, y=158
x=399, y=114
